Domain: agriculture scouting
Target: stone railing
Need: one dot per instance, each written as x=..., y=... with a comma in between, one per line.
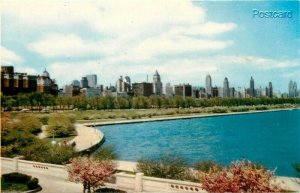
x=141, y=183
x=137, y=182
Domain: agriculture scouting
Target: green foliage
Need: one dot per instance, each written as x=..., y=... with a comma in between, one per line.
x=106, y=153
x=16, y=177
x=219, y=110
x=297, y=167
x=45, y=152
x=44, y=120
x=165, y=166
x=207, y=165
x=30, y=124
x=18, y=181
x=60, y=126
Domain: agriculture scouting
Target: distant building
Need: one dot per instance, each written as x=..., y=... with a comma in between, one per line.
x=84, y=83
x=90, y=92
x=270, y=90
x=208, y=86
x=46, y=85
x=292, y=89
x=123, y=84
x=168, y=90
x=251, y=89
x=13, y=83
x=184, y=90
x=76, y=83
x=215, y=92
x=157, y=84
x=226, y=88
x=232, y=92
x=202, y=93
x=220, y=92
x=92, y=80
x=142, y=89
x=70, y=91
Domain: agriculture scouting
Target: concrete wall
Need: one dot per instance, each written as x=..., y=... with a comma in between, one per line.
x=140, y=183
x=137, y=182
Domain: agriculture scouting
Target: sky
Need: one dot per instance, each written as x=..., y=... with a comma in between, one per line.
x=183, y=40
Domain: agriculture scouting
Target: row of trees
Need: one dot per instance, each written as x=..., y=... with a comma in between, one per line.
x=38, y=101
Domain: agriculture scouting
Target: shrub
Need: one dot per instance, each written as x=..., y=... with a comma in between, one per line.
x=165, y=166
x=105, y=153
x=207, y=165
x=241, y=176
x=260, y=108
x=297, y=167
x=219, y=110
x=60, y=126
x=31, y=124
x=44, y=120
x=45, y=152
x=16, y=177
x=33, y=184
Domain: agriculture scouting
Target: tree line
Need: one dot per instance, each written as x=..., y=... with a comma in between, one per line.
x=39, y=101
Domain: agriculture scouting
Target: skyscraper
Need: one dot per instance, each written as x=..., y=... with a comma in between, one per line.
x=123, y=84
x=92, y=80
x=168, y=90
x=226, y=88
x=251, y=89
x=157, y=85
x=208, y=86
x=292, y=89
x=270, y=90
x=84, y=82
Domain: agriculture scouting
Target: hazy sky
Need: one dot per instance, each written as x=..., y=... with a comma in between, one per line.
x=183, y=40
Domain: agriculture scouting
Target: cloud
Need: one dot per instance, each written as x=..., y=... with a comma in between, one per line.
x=137, y=29
x=9, y=57
x=55, y=45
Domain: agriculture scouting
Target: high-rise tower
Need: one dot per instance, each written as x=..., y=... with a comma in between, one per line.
x=251, y=89
x=226, y=88
x=157, y=84
x=208, y=86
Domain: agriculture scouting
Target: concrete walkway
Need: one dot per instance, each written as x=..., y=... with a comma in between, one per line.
x=87, y=137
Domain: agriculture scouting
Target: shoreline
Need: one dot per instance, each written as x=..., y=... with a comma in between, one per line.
x=93, y=124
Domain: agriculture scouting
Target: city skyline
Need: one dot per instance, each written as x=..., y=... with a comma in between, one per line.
x=190, y=40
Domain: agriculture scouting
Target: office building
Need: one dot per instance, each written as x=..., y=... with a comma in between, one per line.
x=183, y=90
x=226, y=88
x=168, y=90
x=251, y=89
x=142, y=89
x=157, y=84
x=208, y=86
x=292, y=89
x=123, y=84
x=92, y=80
x=84, y=83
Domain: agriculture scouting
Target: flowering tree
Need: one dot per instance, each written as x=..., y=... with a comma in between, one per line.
x=241, y=176
x=90, y=172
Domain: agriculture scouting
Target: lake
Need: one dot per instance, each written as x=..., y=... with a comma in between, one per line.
x=269, y=138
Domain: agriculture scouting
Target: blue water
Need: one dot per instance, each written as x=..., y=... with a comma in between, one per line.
x=270, y=138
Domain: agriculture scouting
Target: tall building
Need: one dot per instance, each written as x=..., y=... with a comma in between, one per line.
x=215, y=92
x=92, y=80
x=157, y=85
x=232, y=92
x=208, y=86
x=292, y=89
x=142, y=89
x=226, y=88
x=45, y=84
x=84, y=83
x=270, y=90
x=220, y=92
x=168, y=90
x=183, y=90
x=123, y=84
x=252, y=89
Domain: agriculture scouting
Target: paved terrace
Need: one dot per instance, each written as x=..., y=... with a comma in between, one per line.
x=87, y=137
